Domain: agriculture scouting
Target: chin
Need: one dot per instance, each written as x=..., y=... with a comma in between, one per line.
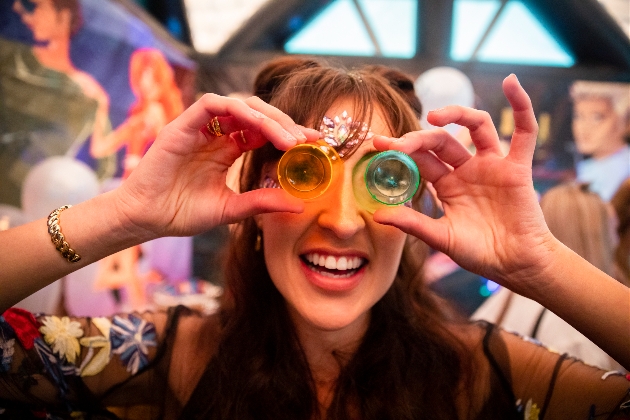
x=331, y=320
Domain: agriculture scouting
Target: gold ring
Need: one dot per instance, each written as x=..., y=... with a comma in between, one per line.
x=214, y=128
x=243, y=137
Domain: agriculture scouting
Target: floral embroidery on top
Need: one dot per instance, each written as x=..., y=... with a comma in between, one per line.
x=7, y=350
x=93, y=364
x=7, y=343
x=53, y=366
x=24, y=324
x=530, y=411
x=62, y=335
x=130, y=339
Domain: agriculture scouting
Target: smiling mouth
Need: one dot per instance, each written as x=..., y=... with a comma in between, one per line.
x=332, y=266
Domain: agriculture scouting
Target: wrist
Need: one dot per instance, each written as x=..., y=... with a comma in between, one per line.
x=128, y=219
x=536, y=279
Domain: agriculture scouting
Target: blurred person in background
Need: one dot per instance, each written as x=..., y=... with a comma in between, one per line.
x=583, y=222
x=601, y=117
x=621, y=203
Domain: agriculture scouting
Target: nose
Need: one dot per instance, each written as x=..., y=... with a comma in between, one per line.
x=340, y=213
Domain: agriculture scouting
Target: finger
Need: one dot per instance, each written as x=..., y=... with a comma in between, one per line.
x=439, y=141
x=302, y=133
x=210, y=105
x=431, y=231
x=431, y=168
x=247, y=140
x=482, y=130
x=264, y=200
x=525, y=126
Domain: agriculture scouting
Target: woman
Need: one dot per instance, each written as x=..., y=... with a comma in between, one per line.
x=323, y=316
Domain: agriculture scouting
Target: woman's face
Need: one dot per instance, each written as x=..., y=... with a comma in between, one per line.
x=44, y=20
x=148, y=88
x=597, y=129
x=332, y=262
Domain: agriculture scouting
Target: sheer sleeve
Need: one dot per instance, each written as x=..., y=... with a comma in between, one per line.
x=106, y=367
x=549, y=385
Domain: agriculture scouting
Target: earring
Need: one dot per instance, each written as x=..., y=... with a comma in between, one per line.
x=258, y=241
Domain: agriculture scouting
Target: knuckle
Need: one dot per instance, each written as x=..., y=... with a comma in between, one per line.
x=485, y=116
x=209, y=98
x=254, y=100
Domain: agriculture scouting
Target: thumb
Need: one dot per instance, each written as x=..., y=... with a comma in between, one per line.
x=264, y=200
x=433, y=232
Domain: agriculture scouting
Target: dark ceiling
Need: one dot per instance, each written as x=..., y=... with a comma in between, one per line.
x=600, y=47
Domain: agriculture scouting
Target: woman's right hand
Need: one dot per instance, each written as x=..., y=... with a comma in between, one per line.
x=179, y=187
x=492, y=223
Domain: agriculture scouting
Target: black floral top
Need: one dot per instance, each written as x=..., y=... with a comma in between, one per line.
x=148, y=366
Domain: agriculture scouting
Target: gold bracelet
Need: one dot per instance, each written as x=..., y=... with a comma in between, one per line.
x=57, y=237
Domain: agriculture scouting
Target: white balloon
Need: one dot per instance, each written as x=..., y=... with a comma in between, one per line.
x=11, y=216
x=54, y=182
x=440, y=87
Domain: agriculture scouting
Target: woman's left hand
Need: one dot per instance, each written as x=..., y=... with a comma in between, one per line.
x=492, y=223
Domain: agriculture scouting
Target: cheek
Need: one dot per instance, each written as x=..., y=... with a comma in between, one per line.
x=390, y=242
x=279, y=235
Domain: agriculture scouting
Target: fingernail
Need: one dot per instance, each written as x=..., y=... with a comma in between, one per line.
x=438, y=110
x=298, y=133
x=257, y=114
x=288, y=136
x=398, y=140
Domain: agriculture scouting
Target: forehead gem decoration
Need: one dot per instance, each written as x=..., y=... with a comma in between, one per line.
x=343, y=134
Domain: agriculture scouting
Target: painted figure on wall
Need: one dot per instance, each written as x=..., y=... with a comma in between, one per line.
x=601, y=118
x=159, y=101
x=49, y=106
x=53, y=23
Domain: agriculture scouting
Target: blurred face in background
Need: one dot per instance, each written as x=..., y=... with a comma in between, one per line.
x=598, y=130
x=43, y=19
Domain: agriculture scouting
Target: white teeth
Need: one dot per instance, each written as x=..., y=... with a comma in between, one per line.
x=331, y=263
x=334, y=263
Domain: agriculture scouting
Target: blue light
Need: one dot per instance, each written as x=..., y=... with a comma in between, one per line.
x=174, y=26
x=483, y=291
x=339, y=30
x=492, y=286
x=517, y=37
x=295, y=23
x=394, y=23
x=470, y=20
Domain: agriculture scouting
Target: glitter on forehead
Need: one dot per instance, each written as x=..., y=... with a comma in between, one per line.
x=344, y=134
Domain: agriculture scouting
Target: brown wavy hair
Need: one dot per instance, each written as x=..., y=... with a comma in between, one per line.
x=621, y=204
x=409, y=364
x=581, y=220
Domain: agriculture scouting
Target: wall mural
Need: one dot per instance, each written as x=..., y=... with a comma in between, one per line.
x=85, y=86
